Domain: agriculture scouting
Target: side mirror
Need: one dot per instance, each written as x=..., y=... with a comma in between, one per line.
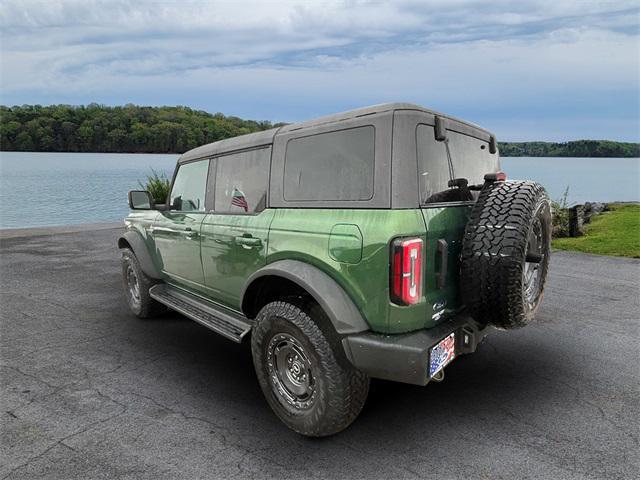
x=141, y=200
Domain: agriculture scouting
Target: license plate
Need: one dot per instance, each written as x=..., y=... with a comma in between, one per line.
x=442, y=354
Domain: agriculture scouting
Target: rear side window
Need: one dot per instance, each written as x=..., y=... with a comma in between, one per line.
x=241, y=182
x=331, y=166
x=467, y=157
x=189, y=187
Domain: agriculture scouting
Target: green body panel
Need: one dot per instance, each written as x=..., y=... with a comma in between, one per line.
x=304, y=235
x=217, y=256
x=233, y=247
x=177, y=242
x=141, y=221
x=446, y=223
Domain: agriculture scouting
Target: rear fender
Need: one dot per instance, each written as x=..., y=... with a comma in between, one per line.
x=337, y=305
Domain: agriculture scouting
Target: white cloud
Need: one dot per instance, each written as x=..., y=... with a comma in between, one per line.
x=296, y=59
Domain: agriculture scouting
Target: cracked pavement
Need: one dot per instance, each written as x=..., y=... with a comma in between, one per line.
x=89, y=391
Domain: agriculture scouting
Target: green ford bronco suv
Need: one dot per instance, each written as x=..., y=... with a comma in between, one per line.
x=377, y=243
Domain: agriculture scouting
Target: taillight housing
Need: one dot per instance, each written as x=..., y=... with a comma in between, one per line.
x=495, y=177
x=406, y=271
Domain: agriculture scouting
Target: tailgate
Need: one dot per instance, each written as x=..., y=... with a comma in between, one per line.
x=445, y=230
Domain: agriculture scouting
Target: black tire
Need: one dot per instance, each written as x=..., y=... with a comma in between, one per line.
x=138, y=298
x=332, y=393
x=505, y=253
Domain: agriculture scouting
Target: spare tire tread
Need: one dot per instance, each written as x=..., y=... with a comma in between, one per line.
x=493, y=252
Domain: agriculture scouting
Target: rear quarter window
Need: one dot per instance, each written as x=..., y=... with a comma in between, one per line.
x=330, y=166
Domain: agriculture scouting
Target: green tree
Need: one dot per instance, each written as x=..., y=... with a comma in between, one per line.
x=132, y=128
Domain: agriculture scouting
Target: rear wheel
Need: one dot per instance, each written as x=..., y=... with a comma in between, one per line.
x=303, y=373
x=505, y=253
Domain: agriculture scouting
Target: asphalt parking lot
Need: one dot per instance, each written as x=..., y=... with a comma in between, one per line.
x=89, y=391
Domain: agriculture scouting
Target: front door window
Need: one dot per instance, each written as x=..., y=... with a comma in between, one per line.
x=189, y=187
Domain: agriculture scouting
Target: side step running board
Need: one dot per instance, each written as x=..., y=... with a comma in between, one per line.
x=223, y=321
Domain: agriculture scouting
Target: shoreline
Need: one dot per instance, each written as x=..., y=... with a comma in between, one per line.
x=7, y=233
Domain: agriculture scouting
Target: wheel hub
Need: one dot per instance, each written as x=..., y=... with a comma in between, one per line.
x=533, y=269
x=133, y=284
x=290, y=371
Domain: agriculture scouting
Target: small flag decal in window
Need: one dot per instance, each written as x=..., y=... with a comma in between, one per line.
x=237, y=199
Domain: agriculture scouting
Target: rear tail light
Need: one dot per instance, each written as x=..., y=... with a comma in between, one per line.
x=495, y=177
x=406, y=271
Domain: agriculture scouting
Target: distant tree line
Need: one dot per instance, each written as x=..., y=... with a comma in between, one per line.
x=578, y=148
x=136, y=129
x=127, y=129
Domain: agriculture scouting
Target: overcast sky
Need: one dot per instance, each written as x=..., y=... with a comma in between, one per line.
x=547, y=70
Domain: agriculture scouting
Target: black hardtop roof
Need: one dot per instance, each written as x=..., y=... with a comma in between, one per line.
x=266, y=137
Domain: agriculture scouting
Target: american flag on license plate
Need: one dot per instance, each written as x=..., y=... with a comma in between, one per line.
x=442, y=354
x=238, y=199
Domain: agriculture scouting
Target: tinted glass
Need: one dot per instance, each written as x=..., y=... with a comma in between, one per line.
x=187, y=194
x=331, y=166
x=241, y=182
x=471, y=158
x=433, y=165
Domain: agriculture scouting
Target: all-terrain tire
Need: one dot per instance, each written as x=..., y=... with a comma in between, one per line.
x=138, y=298
x=334, y=392
x=509, y=224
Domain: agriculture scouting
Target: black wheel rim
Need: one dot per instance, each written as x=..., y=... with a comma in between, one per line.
x=133, y=285
x=291, y=372
x=533, y=262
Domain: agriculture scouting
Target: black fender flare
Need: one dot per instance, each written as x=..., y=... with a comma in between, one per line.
x=136, y=243
x=336, y=303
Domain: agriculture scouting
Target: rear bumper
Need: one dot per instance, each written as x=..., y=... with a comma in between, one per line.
x=405, y=357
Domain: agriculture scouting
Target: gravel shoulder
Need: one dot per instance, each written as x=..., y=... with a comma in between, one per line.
x=89, y=391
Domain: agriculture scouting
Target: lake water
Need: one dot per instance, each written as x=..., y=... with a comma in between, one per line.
x=39, y=189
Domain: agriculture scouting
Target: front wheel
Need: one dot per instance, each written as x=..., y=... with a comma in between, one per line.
x=304, y=375
x=136, y=287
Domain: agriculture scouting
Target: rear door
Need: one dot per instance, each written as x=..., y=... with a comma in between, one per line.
x=177, y=230
x=446, y=210
x=235, y=233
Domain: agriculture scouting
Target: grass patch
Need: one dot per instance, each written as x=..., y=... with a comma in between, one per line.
x=616, y=232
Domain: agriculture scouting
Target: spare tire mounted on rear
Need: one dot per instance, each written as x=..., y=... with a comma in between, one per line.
x=505, y=253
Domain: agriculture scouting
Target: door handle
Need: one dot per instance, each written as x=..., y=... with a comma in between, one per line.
x=165, y=230
x=443, y=250
x=248, y=241
x=190, y=233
